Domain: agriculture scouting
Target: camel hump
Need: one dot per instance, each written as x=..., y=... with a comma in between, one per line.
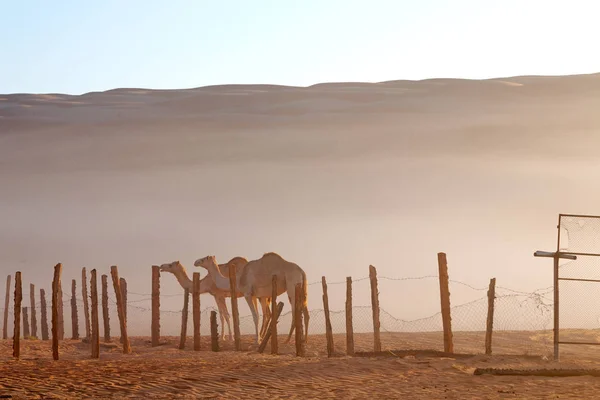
x=272, y=254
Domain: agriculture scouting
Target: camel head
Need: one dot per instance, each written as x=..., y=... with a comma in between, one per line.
x=206, y=262
x=172, y=267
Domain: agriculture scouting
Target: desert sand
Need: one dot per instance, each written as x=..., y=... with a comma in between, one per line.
x=166, y=372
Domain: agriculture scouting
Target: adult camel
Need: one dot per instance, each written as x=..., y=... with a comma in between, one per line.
x=207, y=285
x=256, y=281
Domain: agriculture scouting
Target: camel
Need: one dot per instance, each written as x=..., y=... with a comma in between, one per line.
x=207, y=285
x=256, y=281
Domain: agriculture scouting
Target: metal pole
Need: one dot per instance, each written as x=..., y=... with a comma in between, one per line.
x=556, y=296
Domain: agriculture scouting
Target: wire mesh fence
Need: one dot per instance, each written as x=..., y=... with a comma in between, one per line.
x=522, y=320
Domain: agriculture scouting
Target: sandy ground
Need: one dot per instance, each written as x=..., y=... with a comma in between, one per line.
x=166, y=372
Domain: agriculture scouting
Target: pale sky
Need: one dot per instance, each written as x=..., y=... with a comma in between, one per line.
x=79, y=46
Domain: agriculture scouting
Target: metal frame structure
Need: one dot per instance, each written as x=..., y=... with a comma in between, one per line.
x=569, y=256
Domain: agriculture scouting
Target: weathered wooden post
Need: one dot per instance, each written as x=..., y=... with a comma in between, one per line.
x=196, y=309
x=26, y=333
x=105, y=314
x=17, y=311
x=61, y=314
x=124, y=295
x=33, y=314
x=269, y=332
x=6, y=305
x=445, y=302
x=349, y=323
x=95, y=317
x=214, y=333
x=490, y=316
x=123, y=284
x=55, y=301
x=234, y=308
x=45, y=334
x=184, y=318
x=299, y=305
x=328, y=329
x=114, y=272
x=74, y=317
x=274, y=343
x=86, y=305
x=155, y=305
x=375, y=306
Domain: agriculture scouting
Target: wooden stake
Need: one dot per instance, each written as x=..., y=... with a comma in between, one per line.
x=55, y=301
x=26, y=333
x=274, y=343
x=61, y=314
x=45, y=334
x=196, y=310
x=269, y=332
x=328, y=329
x=74, y=317
x=445, y=302
x=214, y=333
x=490, y=316
x=6, y=305
x=33, y=313
x=375, y=306
x=155, y=305
x=17, y=311
x=114, y=272
x=124, y=295
x=86, y=304
x=349, y=323
x=234, y=308
x=95, y=317
x=298, y=304
x=105, y=314
x=184, y=318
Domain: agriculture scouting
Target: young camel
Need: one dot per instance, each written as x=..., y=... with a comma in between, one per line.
x=256, y=281
x=207, y=285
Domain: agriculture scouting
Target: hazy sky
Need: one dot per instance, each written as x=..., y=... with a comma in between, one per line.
x=79, y=46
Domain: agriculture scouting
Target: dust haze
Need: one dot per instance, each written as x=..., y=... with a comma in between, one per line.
x=333, y=177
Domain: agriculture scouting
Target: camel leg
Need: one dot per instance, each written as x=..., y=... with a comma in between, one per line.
x=224, y=315
x=266, y=312
x=249, y=300
x=306, y=318
x=292, y=299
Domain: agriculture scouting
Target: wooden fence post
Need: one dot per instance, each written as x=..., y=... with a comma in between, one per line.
x=214, y=333
x=184, y=318
x=26, y=332
x=33, y=314
x=61, y=314
x=349, y=323
x=328, y=329
x=45, y=334
x=17, y=312
x=490, y=316
x=375, y=306
x=155, y=305
x=86, y=304
x=298, y=304
x=269, y=332
x=124, y=295
x=6, y=305
x=95, y=317
x=274, y=343
x=123, y=284
x=55, y=319
x=74, y=317
x=196, y=309
x=234, y=308
x=105, y=314
x=445, y=302
x=114, y=272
